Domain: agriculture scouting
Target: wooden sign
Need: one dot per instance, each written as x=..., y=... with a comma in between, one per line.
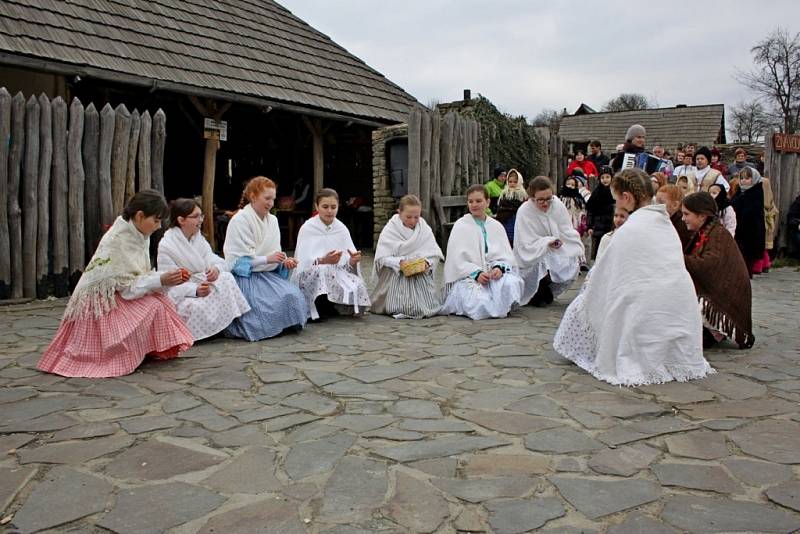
x=786, y=142
x=215, y=129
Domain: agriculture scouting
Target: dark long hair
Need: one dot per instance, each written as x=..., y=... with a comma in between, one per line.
x=150, y=202
x=181, y=207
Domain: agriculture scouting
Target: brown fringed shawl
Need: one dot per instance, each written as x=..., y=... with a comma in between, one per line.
x=723, y=286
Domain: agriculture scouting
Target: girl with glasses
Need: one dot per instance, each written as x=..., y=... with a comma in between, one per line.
x=210, y=299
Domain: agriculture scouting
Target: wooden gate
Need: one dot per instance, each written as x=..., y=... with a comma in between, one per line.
x=782, y=166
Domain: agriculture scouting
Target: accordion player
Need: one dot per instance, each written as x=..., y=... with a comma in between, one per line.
x=647, y=162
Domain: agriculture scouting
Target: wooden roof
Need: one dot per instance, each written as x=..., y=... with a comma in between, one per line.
x=669, y=127
x=247, y=50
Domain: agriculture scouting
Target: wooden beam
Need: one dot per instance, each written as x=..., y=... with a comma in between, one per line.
x=210, y=108
x=314, y=126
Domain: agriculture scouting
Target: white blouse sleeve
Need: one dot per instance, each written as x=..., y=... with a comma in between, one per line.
x=141, y=286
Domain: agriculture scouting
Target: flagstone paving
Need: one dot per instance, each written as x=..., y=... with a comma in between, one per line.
x=378, y=425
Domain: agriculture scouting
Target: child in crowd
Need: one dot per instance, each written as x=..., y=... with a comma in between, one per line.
x=575, y=203
x=719, y=274
x=329, y=270
x=117, y=314
x=658, y=179
x=511, y=198
x=261, y=270
x=608, y=328
x=210, y=300
x=671, y=196
x=600, y=210
x=725, y=211
x=401, y=290
x=549, y=250
x=620, y=216
x=685, y=184
x=479, y=269
x=751, y=229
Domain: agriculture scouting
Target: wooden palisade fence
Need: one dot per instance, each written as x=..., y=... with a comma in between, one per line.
x=65, y=174
x=782, y=166
x=446, y=155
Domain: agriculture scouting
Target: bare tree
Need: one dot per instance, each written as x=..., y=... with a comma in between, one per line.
x=776, y=77
x=627, y=102
x=749, y=120
x=550, y=118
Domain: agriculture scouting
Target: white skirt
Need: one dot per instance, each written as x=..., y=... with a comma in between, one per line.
x=209, y=315
x=494, y=300
x=563, y=272
x=340, y=285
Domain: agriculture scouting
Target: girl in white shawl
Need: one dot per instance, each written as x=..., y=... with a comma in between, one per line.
x=640, y=280
x=210, y=300
x=479, y=272
x=261, y=270
x=329, y=270
x=117, y=314
x=548, y=249
x=406, y=238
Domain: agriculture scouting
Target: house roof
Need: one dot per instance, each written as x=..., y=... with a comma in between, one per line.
x=668, y=127
x=245, y=50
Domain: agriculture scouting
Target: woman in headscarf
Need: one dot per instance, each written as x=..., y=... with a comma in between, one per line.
x=600, y=210
x=719, y=274
x=511, y=198
x=639, y=281
x=750, y=225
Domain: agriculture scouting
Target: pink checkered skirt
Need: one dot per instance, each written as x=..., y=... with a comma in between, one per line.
x=116, y=343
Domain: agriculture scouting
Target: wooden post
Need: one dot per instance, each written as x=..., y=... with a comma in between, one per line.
x=458, y=164
x=93, y=224
x=314, y=126
x=77, y=244
x=30, y=180
x=414, y=151
x=159, y=138
x=465, y=154
x=5, y=134
x=212, y=110
x=14, y=175
x=447, y=155
x=43, y=288
x=107, y=124
x=119, y=157
x=474, y=154
x=425, y=163
x=143, y=160
x=133, y=147
x=436, y=184
x=59, y=219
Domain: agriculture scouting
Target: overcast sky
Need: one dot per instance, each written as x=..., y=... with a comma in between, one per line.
x=528, y=55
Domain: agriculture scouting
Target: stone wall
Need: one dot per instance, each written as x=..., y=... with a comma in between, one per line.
x=384, y=205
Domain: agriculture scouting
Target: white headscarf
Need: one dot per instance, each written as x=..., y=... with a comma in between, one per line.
x=515, y=193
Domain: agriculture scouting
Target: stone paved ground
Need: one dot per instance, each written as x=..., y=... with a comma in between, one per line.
x=376, y=425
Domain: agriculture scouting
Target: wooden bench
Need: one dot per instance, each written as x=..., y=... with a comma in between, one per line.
x=447, y=213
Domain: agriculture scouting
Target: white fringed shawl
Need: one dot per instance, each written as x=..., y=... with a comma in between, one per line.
x=466, y=252
x=249, y=235
x=122, y=256
x=397, y=240
x=535, y=229
x=194, y=254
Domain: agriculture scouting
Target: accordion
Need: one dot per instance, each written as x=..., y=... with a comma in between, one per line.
x=647, y=162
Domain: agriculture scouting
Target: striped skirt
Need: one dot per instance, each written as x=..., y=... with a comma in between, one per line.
x=275, y=305
x=406, y=297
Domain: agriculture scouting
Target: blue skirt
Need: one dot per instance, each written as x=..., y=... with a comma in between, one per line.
x=276, y=304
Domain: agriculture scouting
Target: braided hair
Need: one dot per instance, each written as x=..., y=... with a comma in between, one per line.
x=637, y=183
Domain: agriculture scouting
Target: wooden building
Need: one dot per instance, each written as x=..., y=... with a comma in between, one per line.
x=297, y=107
x=668, y=127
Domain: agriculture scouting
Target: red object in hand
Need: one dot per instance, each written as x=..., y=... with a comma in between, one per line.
x=185, y=274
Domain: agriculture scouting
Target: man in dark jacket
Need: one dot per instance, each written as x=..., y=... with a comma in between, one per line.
x=596, y=155
x=634, y=144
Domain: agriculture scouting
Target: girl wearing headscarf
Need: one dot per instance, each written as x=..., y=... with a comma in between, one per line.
x=511, y=198
x=600, y=210
x=725, y=212
x=575, y=203
x=719, y=273
x=750, y=225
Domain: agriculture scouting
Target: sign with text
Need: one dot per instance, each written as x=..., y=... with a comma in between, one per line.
x=215, y=130
x=786, y=142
